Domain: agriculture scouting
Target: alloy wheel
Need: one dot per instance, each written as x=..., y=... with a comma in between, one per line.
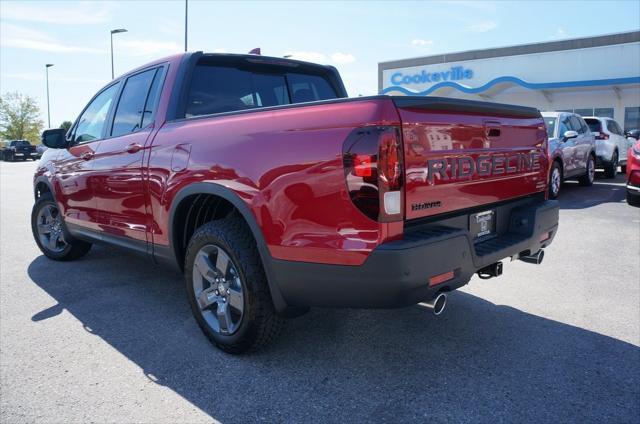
x=50, y=229
x=218, y=289
x=591, y=169
x=555, y=181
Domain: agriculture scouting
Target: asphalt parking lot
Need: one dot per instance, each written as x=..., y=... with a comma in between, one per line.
x=110, y=338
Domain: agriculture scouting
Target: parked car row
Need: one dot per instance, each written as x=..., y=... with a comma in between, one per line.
x=577, y=146
x=19, y=150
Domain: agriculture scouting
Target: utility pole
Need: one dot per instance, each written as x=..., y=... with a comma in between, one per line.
x=186, y=14
x=46, y=68
x=114, y=31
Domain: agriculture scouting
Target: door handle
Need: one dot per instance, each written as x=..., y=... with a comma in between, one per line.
x=133, y=148
x=86, y=155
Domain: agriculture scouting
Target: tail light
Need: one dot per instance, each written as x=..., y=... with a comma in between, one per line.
x=372, y=158
x=602, y=136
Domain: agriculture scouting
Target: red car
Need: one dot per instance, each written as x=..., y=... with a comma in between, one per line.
x=273, y=192
x=633, y=175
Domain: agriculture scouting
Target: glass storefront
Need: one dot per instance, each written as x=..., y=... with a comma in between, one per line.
x=631, y=118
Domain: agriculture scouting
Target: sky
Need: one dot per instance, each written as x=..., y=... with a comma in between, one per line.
x=353, y=36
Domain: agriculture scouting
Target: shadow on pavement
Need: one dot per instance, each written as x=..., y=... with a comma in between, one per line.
x=478, y=362
x=604, y=190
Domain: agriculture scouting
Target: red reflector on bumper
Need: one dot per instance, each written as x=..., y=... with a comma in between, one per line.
x=440, y=278
x=545, y=237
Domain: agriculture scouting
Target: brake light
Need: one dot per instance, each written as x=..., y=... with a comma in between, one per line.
x=390, y=161
x=362, y=165
x=602, y=136
x=372, y=158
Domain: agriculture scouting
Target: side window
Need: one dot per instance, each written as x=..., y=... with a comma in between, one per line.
x=129, y=112
x=618, y=129
x=612, y=127
x=575, y=124
x=92, y=121
x=564, y=126
x=152, y=99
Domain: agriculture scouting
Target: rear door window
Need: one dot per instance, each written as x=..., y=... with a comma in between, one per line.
x=612, y=127
x=130, y=109
x=219, y=89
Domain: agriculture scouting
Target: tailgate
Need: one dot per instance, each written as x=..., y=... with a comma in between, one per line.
x=462, y=154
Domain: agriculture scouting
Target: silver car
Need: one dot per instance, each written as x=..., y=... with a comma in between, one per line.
x=611, y=144
x=572, y=150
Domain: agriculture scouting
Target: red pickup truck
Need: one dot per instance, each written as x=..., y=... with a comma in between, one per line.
x=274, y=192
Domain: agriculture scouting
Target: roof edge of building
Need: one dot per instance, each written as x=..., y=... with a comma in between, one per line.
x=515, y=50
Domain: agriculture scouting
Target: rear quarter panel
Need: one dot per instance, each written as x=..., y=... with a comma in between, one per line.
x=286, y=165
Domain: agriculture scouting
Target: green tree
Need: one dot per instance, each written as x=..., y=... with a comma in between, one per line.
x=66, y=125
x=19, y=118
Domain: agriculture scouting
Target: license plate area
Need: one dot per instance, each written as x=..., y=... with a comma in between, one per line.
x=482, y=225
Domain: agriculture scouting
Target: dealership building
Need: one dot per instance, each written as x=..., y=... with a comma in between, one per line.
x=590, y=76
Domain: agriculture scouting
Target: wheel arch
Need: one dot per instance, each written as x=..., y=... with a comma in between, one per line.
x=229, y=197
x=558, y=159
x=42, y=185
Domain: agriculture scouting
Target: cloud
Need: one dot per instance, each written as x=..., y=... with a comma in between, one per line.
x=343, y=58
x=23, y=38
x=314, y=57
x=483, y=26
x=82, y=13
x=317, y=57
x=147, y=47
x=421, y=42
x=560, y=33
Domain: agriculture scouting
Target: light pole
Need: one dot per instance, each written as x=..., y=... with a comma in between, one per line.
x=186, y=13
x=114, y=31
x=46, y=68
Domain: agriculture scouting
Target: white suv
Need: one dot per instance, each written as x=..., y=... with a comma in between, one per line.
x=611, y=144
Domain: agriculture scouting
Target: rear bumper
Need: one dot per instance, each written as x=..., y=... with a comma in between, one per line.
x=397, y=273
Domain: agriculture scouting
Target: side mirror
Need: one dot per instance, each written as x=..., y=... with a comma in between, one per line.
x=569, y=135
x=55, y=138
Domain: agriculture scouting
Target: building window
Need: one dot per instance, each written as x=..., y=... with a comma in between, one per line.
x=583, y=112
x=631, y=118
x=603, y=112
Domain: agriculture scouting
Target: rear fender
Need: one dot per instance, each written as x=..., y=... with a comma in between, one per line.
x=245, y=212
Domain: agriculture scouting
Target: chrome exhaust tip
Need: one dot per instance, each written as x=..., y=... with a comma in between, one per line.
x=536, y=258
x=437, y=304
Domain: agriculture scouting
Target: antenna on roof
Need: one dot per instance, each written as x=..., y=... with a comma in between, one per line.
x=256, y=51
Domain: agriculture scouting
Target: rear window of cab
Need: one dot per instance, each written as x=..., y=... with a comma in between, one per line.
x=219, y=88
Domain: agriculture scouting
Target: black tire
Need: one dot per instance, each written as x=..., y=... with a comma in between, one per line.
x=633, y=199
x=259, y=323
x=587, y=179
x=611, y=168
x=71, y=249
x=623, y=169
x=555, y=180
